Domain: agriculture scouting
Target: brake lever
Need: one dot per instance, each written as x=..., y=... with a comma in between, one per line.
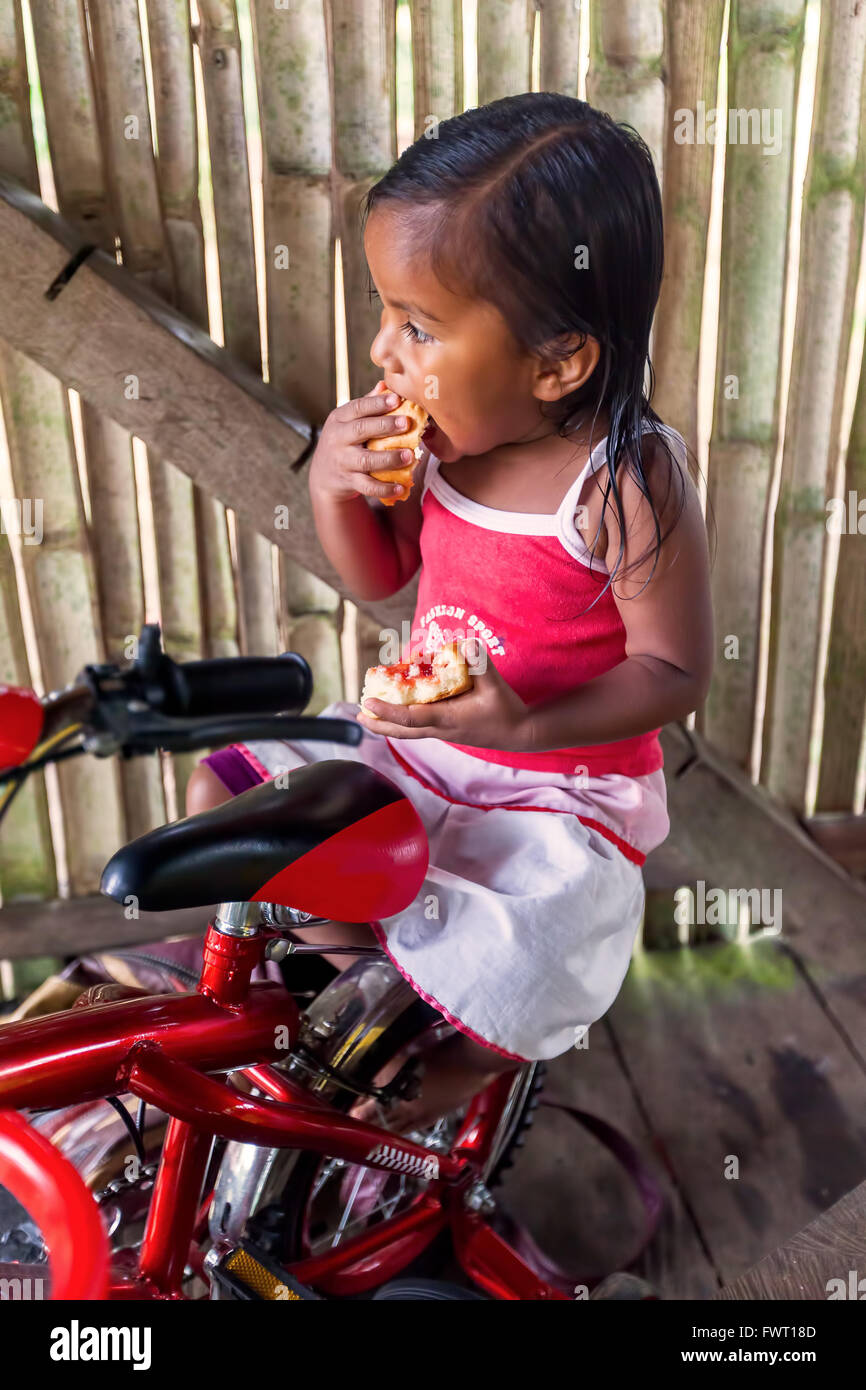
x=132, y=733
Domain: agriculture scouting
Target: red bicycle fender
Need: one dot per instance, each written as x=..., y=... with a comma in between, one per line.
x=54, y=1195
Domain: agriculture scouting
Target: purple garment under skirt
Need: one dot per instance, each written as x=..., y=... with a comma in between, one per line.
x=233, y=770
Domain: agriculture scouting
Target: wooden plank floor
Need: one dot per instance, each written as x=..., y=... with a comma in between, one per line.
x=715, y=1060
x=822, y=1261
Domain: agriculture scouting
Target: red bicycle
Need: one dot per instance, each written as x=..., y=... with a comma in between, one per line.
x=247, y=1178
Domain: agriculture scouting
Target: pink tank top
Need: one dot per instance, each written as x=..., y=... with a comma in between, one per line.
x=504, y=578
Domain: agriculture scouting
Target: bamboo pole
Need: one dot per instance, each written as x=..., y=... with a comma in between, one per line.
x=504, y=42
x=219, y=48
x=17, y=152
x=218, y=43
x=313, y=622
x=177, y=171
x=70, y=117
x=294, y=106
x=692, y=38
x=27, y=868
x=560, y=46
x=57, y=566
x=845, y=680
x=829, y=262
x=26, y=855
x=361, y=41
x=764, y=53
x=369, y=643
x=625, y=64
x=60, y=581
x=437, y=62
x=170, y=44
x=389, y=21
x=295, y=117
x=115, y=541
x=363, y=150
x=125, y=127
x=77, y=168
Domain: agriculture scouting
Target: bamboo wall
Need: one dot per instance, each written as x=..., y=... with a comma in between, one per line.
x=221, y=150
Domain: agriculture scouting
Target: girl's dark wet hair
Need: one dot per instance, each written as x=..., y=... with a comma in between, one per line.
x=551, y=211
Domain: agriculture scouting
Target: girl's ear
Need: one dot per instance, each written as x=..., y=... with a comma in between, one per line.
x=558, y=376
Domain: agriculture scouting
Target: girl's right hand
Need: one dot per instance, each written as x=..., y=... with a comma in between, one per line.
x=340, y=467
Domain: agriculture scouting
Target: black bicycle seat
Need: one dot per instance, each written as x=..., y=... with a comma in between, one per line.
x=338, y=840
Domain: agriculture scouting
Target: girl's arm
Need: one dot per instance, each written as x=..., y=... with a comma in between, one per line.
x=374, y=549
x=668, y=624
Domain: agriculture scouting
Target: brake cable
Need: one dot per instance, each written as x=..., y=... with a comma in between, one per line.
x=130, y=1124
x=15, y=777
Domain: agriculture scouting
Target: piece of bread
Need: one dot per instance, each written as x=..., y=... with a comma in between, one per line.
x=419, y=682
x=410, y=439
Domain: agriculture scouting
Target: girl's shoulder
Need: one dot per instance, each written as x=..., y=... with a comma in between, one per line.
x=659, y=441
x=664, y=460
x=664, y=495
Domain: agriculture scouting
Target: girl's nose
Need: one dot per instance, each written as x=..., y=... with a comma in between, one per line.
x=382, y=354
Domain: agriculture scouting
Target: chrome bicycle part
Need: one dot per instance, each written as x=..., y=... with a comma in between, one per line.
x=238, y=919
x=345, y=1021
x=276, y=915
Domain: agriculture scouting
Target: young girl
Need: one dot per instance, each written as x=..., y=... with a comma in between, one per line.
x=518, y=259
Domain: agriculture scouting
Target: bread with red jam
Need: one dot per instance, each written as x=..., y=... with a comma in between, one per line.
x=419, y=682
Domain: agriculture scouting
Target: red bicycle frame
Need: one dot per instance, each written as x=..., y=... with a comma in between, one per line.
x=160, y=1048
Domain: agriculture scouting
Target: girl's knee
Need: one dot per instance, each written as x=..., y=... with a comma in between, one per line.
x=479, y=1057
x=333, y=933
x=204, y=790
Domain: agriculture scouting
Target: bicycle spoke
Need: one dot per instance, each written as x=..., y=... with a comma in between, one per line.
x=439, y=1137
x=362, y=1172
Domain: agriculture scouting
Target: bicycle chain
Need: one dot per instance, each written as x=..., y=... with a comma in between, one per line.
x=123, y=1186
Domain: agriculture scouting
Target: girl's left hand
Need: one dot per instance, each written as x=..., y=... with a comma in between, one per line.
x=490, y=715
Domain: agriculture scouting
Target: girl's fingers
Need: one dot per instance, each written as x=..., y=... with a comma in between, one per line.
x=360, y=409
x=365, y=428
x=372, y=487
x=372, y=462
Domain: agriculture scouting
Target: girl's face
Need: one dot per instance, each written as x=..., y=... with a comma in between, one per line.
x=456, y=357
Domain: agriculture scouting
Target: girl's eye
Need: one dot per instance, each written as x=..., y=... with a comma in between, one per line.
x=415, y=333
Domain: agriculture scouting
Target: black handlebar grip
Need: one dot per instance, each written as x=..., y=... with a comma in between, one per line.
x=240, y=685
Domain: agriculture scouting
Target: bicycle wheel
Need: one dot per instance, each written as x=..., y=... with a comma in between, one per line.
x=300, y=1203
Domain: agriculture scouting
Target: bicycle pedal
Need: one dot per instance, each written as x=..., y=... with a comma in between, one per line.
x=246, y=1272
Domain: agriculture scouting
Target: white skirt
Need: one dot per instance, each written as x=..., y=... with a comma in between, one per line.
x=522, y=931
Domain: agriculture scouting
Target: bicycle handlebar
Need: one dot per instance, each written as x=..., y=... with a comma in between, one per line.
x=157, y=703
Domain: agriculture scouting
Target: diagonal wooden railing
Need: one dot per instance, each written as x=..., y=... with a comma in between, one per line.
x=192, y=402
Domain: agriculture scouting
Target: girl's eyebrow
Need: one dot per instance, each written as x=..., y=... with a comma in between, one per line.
x=416, y=309
x=411, y=308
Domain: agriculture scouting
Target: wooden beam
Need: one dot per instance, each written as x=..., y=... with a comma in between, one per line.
x=732, y=832
x=162, y=378
x=843, y=837
x=78, y=926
